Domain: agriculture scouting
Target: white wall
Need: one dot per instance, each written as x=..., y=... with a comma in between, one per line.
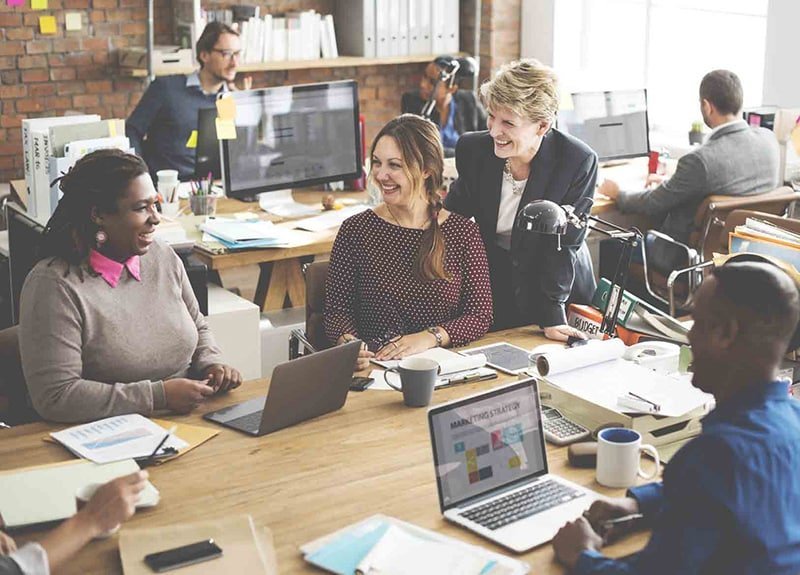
x=781, y=71
x=538, y=22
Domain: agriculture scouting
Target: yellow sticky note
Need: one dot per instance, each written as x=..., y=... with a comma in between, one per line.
x=226, y=129
x=226, y=108
x=192, y=141
x=47, y=24
x=112, y=128
x=796, y=139
x=39, y=4
x=73, y=21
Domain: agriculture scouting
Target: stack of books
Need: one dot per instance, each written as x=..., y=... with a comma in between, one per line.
x=762, y=237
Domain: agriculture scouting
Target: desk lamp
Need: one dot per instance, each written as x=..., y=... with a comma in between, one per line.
x=546, y=217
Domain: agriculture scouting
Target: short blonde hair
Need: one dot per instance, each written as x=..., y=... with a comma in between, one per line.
x=526, y=87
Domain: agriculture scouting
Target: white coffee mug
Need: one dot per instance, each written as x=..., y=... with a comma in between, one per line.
x=618, y=457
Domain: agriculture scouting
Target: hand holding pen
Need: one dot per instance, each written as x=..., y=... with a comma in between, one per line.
x=611, y=518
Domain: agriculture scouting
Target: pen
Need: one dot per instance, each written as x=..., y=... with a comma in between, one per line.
x=170, y=431
x=609, y=523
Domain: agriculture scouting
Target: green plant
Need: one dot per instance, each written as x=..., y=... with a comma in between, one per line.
x=697, y=126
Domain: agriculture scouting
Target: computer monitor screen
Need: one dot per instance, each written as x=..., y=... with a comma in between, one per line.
x=292, y=136
x=206, y=158
x=24, y=247
x=613, y=124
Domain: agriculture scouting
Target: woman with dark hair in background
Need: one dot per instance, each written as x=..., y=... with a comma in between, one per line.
x=109, y=324
x=407, y=275
x=454, y=111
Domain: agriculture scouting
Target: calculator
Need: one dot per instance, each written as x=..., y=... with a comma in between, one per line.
x=560, y=430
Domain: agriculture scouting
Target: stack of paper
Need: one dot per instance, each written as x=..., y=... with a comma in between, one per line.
x=453, y=369
x=389, y=546
x=115, y=438
x=237, y=234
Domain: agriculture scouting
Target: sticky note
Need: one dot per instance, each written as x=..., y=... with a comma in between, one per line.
x=192, y=141
x=796, y=139
x=39, y=4
x=226, y=108
x=226, y=129
x=73, y=20
x=112, y=129
x=16, y=2
x=47, y=24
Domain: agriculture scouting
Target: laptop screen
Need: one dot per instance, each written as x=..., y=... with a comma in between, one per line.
x=486, y=442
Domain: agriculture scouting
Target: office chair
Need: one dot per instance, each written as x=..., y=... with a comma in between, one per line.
x=12, y=381
x=708, y=237
x=313, y=338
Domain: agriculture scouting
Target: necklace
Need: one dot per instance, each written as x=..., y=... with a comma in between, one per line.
x=517, y=186
x=391, y=213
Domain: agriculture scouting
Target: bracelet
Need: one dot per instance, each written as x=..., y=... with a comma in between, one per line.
x=437, y=334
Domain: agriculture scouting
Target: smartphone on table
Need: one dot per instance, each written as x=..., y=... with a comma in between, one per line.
x=183, y=556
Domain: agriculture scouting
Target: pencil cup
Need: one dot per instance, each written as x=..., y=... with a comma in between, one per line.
x=618, y=455
x=82, y=497
x=170, y=209
x=203, y=205
x=417, y=379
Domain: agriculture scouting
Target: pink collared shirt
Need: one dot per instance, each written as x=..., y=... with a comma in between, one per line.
x=111, y=270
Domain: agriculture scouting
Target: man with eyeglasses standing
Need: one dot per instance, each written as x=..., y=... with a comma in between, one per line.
x=161, y=126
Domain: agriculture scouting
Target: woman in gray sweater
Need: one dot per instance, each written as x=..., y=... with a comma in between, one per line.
x=108, y=321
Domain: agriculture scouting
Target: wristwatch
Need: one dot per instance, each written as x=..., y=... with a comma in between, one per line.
x=437, y=333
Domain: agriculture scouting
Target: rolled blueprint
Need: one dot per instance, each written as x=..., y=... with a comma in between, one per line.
x=567, y=359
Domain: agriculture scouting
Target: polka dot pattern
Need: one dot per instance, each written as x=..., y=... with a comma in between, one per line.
x=372, y=293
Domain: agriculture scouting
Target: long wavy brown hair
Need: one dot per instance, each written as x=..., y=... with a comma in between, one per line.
x=423, y=163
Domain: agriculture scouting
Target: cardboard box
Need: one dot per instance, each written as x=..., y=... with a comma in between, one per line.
x=165, y=59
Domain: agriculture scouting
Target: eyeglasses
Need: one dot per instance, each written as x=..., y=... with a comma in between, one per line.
x=228, y=54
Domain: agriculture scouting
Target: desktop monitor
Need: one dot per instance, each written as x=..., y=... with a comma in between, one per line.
x=292, y=136
x=613, y=124
x=24, y=245
x=206, y=154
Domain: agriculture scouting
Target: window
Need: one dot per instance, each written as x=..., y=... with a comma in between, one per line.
x=664, y=45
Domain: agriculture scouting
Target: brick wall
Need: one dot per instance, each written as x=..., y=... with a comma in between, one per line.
x=42, y=75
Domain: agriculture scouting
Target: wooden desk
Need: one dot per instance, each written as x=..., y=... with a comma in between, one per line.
x=372, y=456
x=280, y=278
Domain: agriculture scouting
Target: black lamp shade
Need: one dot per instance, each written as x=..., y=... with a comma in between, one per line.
x=543, y=217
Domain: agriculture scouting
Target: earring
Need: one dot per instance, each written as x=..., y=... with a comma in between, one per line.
x=100, y=238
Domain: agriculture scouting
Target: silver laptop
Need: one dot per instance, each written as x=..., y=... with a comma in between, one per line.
x=300, y=389
x=491, y=468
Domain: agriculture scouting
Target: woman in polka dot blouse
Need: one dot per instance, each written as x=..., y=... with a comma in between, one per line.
x=407, y=275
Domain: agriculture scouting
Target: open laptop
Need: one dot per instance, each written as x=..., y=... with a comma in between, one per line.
x=491, y=468
x=300, y=389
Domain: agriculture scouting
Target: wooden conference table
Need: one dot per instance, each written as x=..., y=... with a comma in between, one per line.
x=372, y=456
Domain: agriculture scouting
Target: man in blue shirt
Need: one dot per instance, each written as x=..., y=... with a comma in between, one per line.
x=163, y=121
x=729, y=501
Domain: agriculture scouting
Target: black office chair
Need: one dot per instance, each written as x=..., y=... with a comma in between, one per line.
x=313, y=338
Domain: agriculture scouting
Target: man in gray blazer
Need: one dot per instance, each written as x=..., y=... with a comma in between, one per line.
x=736, y=160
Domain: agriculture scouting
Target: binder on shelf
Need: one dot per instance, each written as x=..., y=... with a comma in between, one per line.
x=328, y=38
x=383, y=29
x=355, y=27
x=279, y=42
x=438, y=16
x=451, y=26
x=419, y=27
x=401, y=47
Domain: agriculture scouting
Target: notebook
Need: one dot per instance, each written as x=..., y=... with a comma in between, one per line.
x=46, y=493
x=381, y=544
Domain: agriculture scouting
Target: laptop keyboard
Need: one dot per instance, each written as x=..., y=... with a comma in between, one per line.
x=249, y=422
x=521, y=504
